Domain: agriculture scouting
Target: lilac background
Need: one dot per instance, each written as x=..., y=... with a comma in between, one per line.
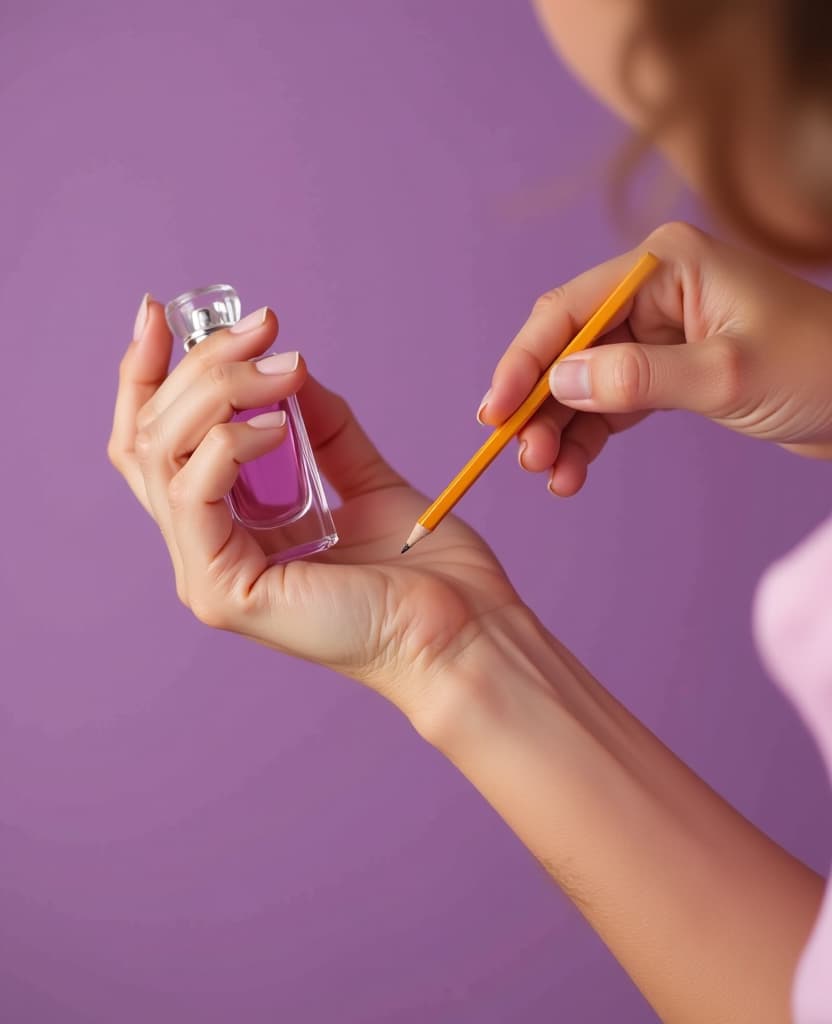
x=193, y=828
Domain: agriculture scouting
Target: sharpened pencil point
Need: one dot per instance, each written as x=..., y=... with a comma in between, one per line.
x=416, y=534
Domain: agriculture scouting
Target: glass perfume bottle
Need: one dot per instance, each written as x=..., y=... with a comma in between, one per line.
x=281, y=492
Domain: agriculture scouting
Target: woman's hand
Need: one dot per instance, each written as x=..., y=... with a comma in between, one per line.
x=394, y=622
x=715, y=331
x=678, y=884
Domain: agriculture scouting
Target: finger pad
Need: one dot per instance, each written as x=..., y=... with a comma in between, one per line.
x=542, y=446
x=569, y=474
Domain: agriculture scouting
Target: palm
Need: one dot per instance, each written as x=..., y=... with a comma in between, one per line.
x=369, y=608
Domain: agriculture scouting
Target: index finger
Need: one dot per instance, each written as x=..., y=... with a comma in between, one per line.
x=246, y=339
x=554, y=320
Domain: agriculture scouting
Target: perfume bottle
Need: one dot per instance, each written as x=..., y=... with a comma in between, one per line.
x=280, y=493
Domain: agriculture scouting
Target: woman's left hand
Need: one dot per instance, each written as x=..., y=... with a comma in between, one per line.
x=392, y=621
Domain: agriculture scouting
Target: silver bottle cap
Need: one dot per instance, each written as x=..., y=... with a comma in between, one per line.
x=193, y=315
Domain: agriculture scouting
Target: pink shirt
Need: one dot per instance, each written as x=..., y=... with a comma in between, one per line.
x=793, y=624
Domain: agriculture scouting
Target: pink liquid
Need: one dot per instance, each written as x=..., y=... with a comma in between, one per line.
x=272, y=490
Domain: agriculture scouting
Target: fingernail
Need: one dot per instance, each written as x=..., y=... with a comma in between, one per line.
x=570, y=380
x=551, y=489
x=523, y=446
x=280, y=362
x=268, y=420
x=483, y=404
x=250, y=322
x=141, y=317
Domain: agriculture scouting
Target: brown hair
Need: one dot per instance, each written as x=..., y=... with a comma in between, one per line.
x=702, y=41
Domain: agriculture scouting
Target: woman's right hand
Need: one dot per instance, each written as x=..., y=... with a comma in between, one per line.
x=714, y=330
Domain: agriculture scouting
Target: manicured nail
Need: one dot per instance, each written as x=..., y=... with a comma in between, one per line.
x=280, y=362
x=570, y=380
x=141, y=317
x=268, y=420
x=483, y=404
x=523, y=446
x=250, y=322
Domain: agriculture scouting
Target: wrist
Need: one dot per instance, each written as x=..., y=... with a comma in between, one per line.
x=513, y=668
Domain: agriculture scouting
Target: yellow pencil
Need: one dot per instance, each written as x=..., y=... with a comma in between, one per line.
x=501, y=435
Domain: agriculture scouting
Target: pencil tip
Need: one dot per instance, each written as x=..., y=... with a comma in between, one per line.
x=405, y=548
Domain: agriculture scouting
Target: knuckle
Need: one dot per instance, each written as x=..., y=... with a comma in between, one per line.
x=676, y=236
x=219, y=374
x=729, y=361
x=631, y=375
x=554, y=298
x=221, y=438
x=203, y=354
x=145, y=444
x=114, y=455
x=208, y=611
x=178, y=491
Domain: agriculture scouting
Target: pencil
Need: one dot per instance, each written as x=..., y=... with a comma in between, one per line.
x=501, y=435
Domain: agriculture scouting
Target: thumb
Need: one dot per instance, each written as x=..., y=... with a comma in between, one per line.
x=703, y=377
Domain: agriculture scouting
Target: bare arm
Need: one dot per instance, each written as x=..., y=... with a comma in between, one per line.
x=704, y=912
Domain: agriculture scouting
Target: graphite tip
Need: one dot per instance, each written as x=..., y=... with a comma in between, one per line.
x=405, y=548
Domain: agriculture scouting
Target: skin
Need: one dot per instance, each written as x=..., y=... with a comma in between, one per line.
x=705, y=913
x=705, y=333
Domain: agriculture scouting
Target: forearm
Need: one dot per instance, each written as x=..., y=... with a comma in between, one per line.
x=703, y=911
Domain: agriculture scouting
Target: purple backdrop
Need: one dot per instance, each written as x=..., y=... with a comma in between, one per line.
x=192, y=827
